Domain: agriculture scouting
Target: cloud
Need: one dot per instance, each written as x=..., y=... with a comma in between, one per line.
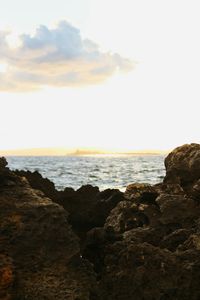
x=56, y=57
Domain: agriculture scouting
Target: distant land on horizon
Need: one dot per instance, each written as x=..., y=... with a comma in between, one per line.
x=75, y=152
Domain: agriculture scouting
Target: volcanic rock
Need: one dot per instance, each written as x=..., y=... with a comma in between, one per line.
x=177, y=209
x=37, y=182
x=39, y=253
x=140, y=192
x=88, y=207
x=3, y=163
x=183, y=165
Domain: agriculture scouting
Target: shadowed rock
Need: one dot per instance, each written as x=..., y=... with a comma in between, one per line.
x=39, y=253
x=37, y=182
x=183, y=165
x=87, y=207
x=3, y=163
x=158, y=256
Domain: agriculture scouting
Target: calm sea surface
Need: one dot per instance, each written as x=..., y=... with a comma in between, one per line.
x=102, y=171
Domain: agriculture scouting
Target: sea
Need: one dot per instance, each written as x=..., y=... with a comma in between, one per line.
x=104, y=171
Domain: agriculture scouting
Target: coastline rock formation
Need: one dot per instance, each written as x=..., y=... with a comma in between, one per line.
x=87, y=207
x=141, y=244
x=154, y=252
x=39, y=253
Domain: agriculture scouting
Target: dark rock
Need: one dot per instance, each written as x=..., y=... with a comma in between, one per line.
x=183, y=165
x=37, y=182
x=139, y=209
x=140, y=192
x=95, y=243
x=38, y=249
x=142, y=271
x=7, y=277
x=87, y=207
x=3, y=163
x=174, y=239
x=169, y=188
x=192, y=242
x=125, y=216
x=177, y=209
x=80, y=205
x=194, y=190
x=150, y=235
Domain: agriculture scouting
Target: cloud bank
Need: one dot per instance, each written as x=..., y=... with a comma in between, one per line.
x=56, y=57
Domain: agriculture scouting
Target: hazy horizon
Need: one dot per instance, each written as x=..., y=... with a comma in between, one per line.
x=77, y=151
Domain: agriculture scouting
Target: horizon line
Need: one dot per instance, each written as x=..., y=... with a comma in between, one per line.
x=79, y=151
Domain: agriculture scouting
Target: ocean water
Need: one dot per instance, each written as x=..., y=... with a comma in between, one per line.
x=102, y=171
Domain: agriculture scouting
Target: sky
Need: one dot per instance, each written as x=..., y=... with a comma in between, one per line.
x=115, y=75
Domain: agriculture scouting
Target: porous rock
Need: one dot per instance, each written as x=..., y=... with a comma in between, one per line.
x=183, y=164
x=39, y=253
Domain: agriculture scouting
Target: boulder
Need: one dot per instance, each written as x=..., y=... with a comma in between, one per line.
x=39, y=253
x=183, y=165
x=125, y=216
x=142, y=271
x=141, y=192
x=178, y=209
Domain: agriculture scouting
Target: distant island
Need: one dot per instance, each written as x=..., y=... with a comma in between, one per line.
x=75, y=152
x=82, y=152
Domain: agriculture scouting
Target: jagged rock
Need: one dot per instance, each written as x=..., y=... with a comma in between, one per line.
x=169, y=188
x=183, y=165
x=177, y=209
x=140, y=192
x=87, y=207
x=194, y=191
x=139, y=209
x=150, y=235
x=105, y=202
x=80, y=205
x=37, y=182
x=125, y=216
x=3, y=163
x=39, y=253
x=193, y=242
x=142, y=271
x=174, y=239
x=159, y=258
x=95, y=243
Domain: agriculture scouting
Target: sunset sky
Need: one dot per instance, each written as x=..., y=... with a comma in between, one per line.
x=101, y=74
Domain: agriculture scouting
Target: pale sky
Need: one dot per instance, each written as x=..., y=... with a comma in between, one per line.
x=117, y=75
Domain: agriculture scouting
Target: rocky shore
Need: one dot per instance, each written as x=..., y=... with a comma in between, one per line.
x=143, y=244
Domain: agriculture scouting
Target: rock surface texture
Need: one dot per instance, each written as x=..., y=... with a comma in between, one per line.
x=39, y=253
x=143, y=244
